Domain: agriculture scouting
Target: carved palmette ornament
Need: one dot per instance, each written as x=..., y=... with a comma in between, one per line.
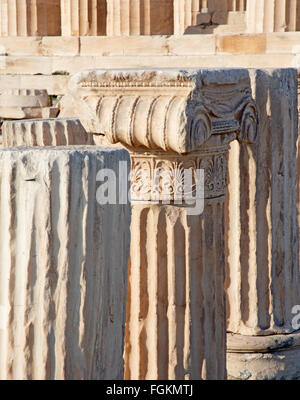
x=161, y=178
x=216, y=179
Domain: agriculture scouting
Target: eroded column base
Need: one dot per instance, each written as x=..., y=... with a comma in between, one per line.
x=274, y=357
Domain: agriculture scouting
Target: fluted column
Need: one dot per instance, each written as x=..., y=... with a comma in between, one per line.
x=291, y=14
x=29, y=17
x=122, y=18
x=139, y=17
x=256, y=16
x=179, y=17
x=174, y=122
x=236, y=5
x=271, y=15
x=185, y=14
x=63, y=263
x=83, y=17
x=176, y=307
x=262, y=277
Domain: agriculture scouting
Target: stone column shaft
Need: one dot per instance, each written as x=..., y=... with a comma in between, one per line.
x=272, y=15
x=62, y=287
x=139, y=17
x=196, y=8
x=83, y=17
x=262, y=277
x=185, y=14
x=237, y=5
x=29, y=17
x=291, y=14
x=118, y=17
x=145, y=13
x=176, y=310
x=173, y=122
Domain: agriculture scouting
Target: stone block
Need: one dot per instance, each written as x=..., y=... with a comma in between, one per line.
x=203, y=18
x=241, y=44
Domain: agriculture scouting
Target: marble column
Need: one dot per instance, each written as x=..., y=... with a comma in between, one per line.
x=176, y=308
x=83, y=17
x=174, y=121
x=236, y=5
x=122, y=17
x=272, y=15
x=262, y=276
x=185, y=14
x=29, y=18
x=139, y=17
x=63, y=258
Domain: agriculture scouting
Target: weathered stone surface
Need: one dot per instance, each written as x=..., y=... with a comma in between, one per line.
x=242, y=44
x=220, y=17
x=264, y=357
x=185, y=14
x=56, y=57
x=56, y=84
x=273, y=16
x=28, y=112
x=83, y=17
x=203, y=18
x=173, y=121
x=111, y=17
x=225, y=5
x=262, y=277
x=24, y=98
x=167, y=336
x=29, y=17
x=64, y=264
x=229, y=18
x=172, y=90
x=45, y=132
x=25, y=103
x=135, y=17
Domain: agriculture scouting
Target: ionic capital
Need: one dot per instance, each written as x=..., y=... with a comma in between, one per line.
x=174, y=111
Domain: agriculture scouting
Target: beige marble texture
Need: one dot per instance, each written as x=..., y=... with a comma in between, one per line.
x=45, y=132
x=262, y=252
x=170, y=121
x=64, y=261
